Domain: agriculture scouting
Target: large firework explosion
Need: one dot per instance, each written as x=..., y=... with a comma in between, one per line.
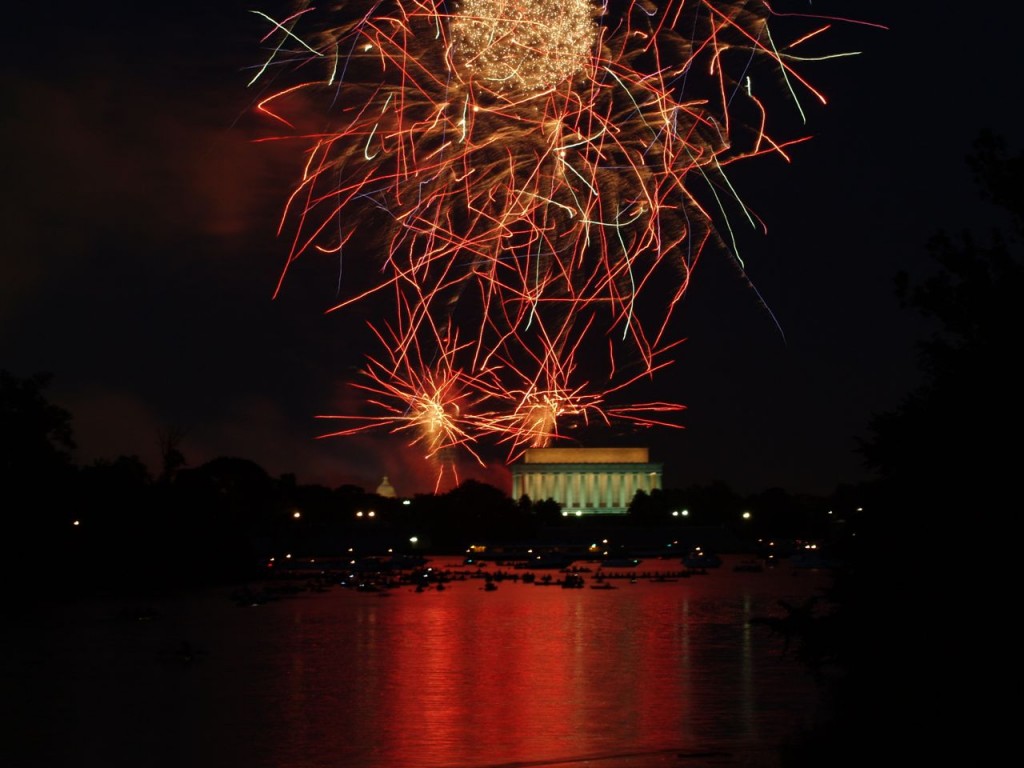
x=533, y=181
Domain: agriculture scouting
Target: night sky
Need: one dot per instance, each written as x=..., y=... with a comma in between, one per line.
x=140, y=252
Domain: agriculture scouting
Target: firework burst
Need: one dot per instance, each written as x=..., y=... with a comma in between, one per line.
x=536, y=178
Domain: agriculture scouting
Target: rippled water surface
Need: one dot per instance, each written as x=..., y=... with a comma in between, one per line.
x=650, y=673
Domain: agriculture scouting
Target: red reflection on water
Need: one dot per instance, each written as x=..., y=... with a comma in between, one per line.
x=457, y=679
x=529, y=673
x=478, y=675
x=466, y=678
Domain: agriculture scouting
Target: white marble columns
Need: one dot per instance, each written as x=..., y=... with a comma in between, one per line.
x=587, y=487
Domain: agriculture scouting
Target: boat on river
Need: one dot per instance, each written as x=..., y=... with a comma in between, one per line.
x=572, y=581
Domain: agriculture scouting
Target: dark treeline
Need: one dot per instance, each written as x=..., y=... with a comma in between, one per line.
x=113, y=524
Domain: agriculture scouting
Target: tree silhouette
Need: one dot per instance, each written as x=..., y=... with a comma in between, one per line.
x=171, y=457
x=922, y=625
x=36, y=473
x=946, y=447
x=36, y=438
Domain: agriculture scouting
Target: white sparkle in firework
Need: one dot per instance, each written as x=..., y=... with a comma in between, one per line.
x=517, y=45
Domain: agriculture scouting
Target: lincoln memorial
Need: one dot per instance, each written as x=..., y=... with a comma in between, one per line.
x=586, y=480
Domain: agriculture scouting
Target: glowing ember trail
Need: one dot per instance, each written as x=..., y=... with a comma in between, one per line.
x=536, y=179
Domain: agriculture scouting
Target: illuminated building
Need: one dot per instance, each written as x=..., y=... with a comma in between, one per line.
x=385, y=488
x=586, y=480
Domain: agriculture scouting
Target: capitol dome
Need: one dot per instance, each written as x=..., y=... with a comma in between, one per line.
x=385, y=489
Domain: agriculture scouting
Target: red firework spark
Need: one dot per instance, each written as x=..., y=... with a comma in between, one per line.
x=539, y=179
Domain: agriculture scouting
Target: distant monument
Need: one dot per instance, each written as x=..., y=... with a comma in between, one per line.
x=385, y=489
x=586, y=480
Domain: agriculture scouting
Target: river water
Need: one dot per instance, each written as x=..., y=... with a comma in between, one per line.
x=650, y=673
